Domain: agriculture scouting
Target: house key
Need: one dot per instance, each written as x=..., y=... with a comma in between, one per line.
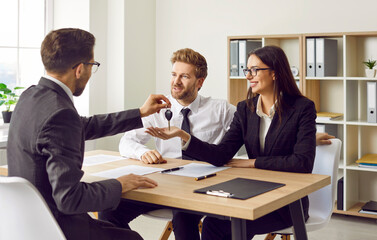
x=168, y=115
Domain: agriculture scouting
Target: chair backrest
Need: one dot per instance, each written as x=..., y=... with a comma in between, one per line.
x=23, y=212
x=326, y=163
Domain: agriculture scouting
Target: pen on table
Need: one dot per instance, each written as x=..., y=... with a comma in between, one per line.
x=206, y=176
x=171, y=169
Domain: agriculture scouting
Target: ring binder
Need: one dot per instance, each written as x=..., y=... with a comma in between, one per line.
x=219, y=193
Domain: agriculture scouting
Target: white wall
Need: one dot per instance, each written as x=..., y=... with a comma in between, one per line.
x=125, y=33
x=140, y=51
x=111, y=86
x=205, y=25
x=73, y=14
x=135, y=39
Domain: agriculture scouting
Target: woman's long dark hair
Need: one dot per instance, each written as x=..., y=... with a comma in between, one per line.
x=285, y=84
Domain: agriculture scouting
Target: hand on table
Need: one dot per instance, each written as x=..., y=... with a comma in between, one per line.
x=152, y=157
x=132, y=181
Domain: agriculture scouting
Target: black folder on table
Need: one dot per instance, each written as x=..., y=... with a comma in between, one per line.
x=239, y=188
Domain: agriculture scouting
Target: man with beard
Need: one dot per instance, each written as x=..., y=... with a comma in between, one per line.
x=47, y=138
x=208, y=119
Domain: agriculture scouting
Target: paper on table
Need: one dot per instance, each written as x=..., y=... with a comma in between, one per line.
x=100, y=159
x=135, y=169
x=197, y=170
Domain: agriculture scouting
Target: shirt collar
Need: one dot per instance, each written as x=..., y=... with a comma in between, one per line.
x=62, y=85
x=194, y=106
x=259, y=111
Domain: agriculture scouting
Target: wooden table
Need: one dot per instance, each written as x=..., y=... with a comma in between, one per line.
x=177, y=192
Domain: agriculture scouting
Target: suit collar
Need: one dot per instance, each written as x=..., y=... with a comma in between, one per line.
x=62, y=85
x=54, y=86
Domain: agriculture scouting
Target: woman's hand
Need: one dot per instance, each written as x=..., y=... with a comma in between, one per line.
x=165, y=133
x=241, y=163
x=323, y=138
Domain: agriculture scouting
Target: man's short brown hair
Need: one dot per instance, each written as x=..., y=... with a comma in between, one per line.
x=62, y=49
x=189, y=56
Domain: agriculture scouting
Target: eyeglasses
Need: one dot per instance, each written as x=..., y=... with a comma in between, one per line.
x=95, y=65
x=253, y=71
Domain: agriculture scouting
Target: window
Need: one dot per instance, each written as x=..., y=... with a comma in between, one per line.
x=23, y=25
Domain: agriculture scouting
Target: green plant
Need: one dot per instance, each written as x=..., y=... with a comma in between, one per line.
x=8, y=97
x=370, y=63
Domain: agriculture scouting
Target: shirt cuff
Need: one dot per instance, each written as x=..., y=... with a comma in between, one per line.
x=185, y=145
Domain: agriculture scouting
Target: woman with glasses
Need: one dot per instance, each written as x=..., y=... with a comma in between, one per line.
x=277, y=125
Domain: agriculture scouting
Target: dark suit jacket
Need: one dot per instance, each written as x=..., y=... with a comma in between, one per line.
x=289, y=144
x=46, y=146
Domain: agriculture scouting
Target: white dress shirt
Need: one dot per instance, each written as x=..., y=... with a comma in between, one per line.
x=209, y=120
x=265, y=122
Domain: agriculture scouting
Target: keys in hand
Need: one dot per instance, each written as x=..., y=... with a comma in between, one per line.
x=168, y=115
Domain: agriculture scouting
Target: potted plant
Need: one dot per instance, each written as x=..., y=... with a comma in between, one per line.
x=8, y=98
x=369, y=71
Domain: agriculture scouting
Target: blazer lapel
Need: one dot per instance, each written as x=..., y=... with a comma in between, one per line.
x=255, y=123
x=252, y=133
x=275, y=128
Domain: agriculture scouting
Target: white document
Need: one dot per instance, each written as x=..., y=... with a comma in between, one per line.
x=100, y=159
x=135, y=169
x=197, y=170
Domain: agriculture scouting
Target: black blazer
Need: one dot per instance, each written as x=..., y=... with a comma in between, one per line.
x=46, y=146
x=289, y=144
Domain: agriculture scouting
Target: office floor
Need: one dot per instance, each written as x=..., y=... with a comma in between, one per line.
x=340, y=228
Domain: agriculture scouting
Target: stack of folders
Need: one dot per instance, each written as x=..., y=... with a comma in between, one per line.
x=239, y=50
x=326, y=116
x=368, y=161
x=370, y=208
x=321, y=57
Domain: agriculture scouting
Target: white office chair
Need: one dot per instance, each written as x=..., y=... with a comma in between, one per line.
x=167, y=215
x=322, y=201
x=23, y=212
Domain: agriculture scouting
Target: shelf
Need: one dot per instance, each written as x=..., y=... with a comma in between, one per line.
x=361, y=123
x=346, y=93
x=354, y=211
x=361, y=79
x=244, y=78
x=354, y=166
x=326, y=78
x=330, y=121
x=237, y=77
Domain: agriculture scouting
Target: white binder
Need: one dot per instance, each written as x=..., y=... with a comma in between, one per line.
x=371, y=101
x=310, y=57
x=326, y=58
x=244, y=47
x=234, y=58
x=242, y=61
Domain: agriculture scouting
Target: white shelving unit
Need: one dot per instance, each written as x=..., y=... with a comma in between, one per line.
x=344, y=93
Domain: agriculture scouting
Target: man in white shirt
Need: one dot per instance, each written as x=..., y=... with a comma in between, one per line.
x=208, y=119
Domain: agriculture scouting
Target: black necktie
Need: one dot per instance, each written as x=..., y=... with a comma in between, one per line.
x=185, y=127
